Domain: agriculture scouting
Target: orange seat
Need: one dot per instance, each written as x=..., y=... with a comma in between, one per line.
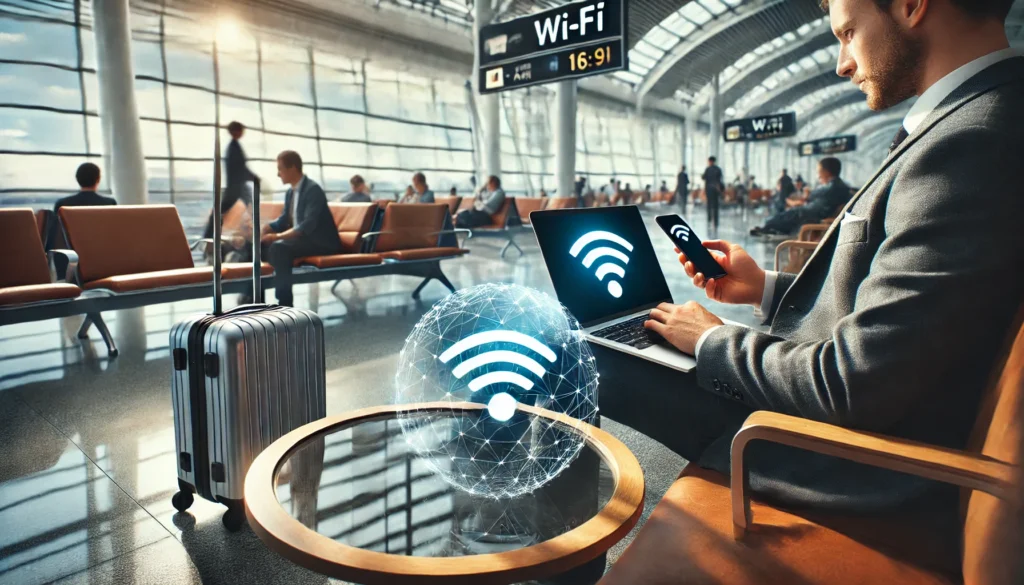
x=24, y=270
x=527, y=205
x=341, y=260
x=149, y=280
x=562, y=203
x=424, y=253
x=453, y=203
x=235, y=270
x=410, y=226
x=499, y=220
x=33, y=293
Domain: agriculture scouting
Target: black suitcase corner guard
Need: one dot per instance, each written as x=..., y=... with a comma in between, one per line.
x=217, y=472
x=180, y=357
x=211, y=365
x=185, y=460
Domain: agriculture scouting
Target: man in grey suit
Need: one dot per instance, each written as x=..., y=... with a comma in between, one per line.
x=305, y=228
x=897, y=320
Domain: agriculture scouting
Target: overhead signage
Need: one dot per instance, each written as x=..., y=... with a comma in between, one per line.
x=575, y=40
x=833, y=145
x=761, y=128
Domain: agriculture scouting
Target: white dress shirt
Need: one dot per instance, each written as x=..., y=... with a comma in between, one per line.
x=295, y=200
x=919, y=112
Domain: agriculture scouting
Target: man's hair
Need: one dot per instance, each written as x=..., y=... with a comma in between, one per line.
x=235, y=127
x=453, y=191
x=832, y=165
x=712, y=159
x=785, y=171
x=87, y=175
x=496, y=180
x=291, y=160
x=357, y=180
x=998, y=9
x=419, y=178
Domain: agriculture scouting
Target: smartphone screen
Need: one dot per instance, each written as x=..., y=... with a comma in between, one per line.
x=683, y=237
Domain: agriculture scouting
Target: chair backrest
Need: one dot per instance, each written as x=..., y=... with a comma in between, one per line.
x=507, y=215
x=453, y=203
x=126, y=239
x=270, y=210
x=23, y=261
x=466, y=203
x=994, y=528
x=352, y=220
x=562, y=203
x=409, y=226
x=526, y=205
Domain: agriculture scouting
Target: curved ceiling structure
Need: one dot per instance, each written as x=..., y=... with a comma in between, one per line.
x=808, y=82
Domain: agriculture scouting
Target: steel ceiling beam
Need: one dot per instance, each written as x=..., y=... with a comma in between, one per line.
x=840, y=100
x=787, y=93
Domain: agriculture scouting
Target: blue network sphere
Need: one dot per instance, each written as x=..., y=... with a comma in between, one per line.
x=500, y=346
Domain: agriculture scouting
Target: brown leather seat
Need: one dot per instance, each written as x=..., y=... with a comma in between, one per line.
x=527, y=205
x=689, y=538
x=352, y=221
x=24, y=271
x=561, y=203
x=235, y=270
x=126, y=240
x=453, y=203
x=179, y=277
x=424, y=253
x=499, y=220
x=467, y=203
x=270, y=211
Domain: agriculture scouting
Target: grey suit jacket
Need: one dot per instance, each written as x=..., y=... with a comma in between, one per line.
x=313, y=217
x=897, y=320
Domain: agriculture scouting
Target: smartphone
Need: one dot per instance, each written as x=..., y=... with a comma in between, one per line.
x=683, y=237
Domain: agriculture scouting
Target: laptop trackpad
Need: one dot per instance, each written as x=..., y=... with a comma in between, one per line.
x=671, y=357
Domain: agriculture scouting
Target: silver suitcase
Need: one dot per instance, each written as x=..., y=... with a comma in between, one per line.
x=240, y=381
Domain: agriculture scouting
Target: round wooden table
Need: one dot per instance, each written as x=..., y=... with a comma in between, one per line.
x=348, y=497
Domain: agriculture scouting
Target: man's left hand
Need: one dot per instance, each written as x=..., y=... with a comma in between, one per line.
x=270, y=238
x=682, y=325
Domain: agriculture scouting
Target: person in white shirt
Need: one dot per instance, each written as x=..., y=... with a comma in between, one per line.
x=896, y=321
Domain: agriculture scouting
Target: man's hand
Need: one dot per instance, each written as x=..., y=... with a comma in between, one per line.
x=682, y=325
x=744, y=284
x=270, y=237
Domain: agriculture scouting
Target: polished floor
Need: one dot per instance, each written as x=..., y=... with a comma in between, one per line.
x=87, y=455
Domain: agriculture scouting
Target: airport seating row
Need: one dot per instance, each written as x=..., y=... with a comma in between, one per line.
x=708, y=530
x=130, y=256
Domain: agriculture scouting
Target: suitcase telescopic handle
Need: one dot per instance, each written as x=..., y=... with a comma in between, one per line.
x=218, y=291
x=257, y=262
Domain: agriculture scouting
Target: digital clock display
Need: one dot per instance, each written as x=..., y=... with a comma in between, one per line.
x=593, y=58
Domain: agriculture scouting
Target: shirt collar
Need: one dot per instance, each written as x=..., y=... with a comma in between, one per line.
x=941, y=89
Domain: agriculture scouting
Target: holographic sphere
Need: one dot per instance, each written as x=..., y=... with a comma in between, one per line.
x=500, y=346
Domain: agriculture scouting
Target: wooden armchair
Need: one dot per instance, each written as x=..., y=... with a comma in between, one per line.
x=705, y=532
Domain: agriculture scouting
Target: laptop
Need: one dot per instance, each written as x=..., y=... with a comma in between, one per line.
x=604, y=270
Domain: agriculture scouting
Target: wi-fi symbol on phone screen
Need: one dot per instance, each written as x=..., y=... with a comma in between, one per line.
x=682, y=232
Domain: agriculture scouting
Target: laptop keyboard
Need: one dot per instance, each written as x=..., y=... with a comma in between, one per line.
x=630, y=333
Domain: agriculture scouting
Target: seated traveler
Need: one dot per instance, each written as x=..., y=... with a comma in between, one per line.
x=823, y=202
x=783, y=190
x=360, y=191
x=418, y=192
x=305, y=228
x=486, y=204
x=88, y=177
x=896, y=322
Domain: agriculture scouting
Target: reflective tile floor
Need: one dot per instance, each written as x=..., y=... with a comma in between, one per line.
x=87, y=461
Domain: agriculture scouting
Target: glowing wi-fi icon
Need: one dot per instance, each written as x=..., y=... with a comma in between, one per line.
x=681, y=231
x=502, y=405
x=606, y=268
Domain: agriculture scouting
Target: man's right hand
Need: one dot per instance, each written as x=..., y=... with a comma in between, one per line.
x=744, y=284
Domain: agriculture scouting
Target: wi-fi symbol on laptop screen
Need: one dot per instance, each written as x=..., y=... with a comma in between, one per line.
x=605, y=254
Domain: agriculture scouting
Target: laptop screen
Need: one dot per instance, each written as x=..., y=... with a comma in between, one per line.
x=601, y=261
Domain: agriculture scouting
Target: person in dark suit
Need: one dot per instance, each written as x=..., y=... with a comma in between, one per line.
x=305, y=228
x=783, y=190
x=898, y=319
x=236, y=174
x=714, y=184
x=682, y=188
x=88, y=177
x=822, y=203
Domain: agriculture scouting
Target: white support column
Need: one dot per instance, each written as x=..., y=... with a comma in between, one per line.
x=690, y=139
x=715, y=146
x=489, y=106
x=565, y=137
x=122, y=138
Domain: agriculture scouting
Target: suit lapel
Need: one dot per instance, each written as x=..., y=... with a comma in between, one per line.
x=997, y=75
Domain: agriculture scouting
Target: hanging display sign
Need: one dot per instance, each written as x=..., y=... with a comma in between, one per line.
x=834, y=145
x=760, y=128
x=575, y=40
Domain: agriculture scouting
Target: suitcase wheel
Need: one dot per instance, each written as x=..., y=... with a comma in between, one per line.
x=182, y=501
x=234, y=517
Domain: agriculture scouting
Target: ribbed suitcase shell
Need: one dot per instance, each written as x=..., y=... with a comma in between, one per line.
x=241, y=381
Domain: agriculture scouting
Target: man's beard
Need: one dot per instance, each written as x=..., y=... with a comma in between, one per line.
x=894, y=77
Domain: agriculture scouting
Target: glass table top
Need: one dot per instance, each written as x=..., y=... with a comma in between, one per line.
x=364, y=485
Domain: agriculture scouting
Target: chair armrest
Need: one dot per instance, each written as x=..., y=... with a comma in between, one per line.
x=71, y=256
x=223, y=239
x=936, y=463
x=791, y=244
x=456, y=231
x=812, y=227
